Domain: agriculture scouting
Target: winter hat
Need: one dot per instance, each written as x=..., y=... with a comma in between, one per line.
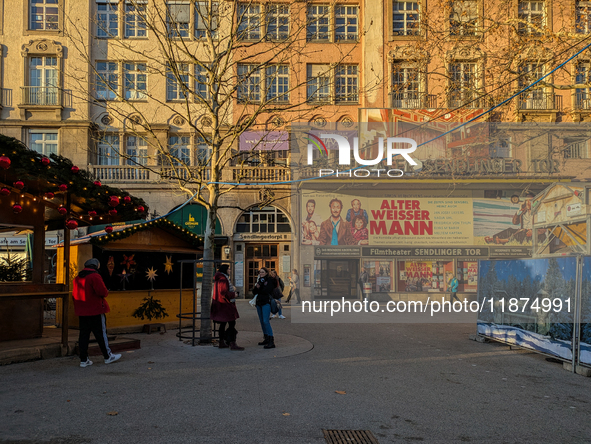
x=92, y=263
x=223, y=268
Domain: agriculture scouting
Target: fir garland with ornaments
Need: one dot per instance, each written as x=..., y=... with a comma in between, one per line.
x=24, y=172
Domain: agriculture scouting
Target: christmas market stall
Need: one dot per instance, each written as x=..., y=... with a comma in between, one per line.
x=140, y=266
x=39, y=194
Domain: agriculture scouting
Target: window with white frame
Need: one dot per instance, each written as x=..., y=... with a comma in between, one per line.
x=249, y=21
x=277, y=19
x=107, y=18
x=463, y=19
x=532, y=98
x=249, y=83
x=346, y=23
x=500, y=147
x=318, y=23
x=583, y=17
x=318, y=83
x=531, y=15
x=277, y=82
x=107, y=80
x=206, y=20
x=108, y=150
x=43, y=141
x=583, y=77
x=43, y=82
x=135, y=19
x=576, y=150
x=179, y=148
x=462, y=84
x=43, y=15
x=406, y=85
x=201, y=82
x=203, y=152
x=177, y=81
x=137, y=151
x=178, y=18
x=346, y=83
x=263, y=220
x=135, y=81
x=405, y=17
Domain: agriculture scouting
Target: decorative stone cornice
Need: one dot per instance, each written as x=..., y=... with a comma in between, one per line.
x=42, y=47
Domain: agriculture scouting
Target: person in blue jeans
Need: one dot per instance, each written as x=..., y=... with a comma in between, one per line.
x=453, y=288
x=281, y=286
x=264, y=292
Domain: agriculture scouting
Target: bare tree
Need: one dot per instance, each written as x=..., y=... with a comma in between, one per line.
x=219, y=69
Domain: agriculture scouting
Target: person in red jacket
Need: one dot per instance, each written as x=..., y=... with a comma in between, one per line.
x=90, y=306
x=223, y=308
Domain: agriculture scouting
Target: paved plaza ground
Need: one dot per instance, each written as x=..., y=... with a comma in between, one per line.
x=403, y=382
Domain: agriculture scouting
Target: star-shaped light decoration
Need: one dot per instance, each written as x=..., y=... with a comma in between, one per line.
x=168, y=265
x=151, y=274
x=128, y=261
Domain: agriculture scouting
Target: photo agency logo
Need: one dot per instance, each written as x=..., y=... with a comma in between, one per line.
x=393, y=146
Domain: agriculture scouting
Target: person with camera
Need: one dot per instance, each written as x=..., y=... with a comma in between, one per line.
x=264, y=292
x=223, y=308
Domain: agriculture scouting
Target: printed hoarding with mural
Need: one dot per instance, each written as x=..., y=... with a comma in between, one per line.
x=503, y=222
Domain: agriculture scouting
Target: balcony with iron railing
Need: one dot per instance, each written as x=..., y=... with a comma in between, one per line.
x=155, y=174
x=466, y=101
x=539, y=100
x=41, y=96
x=413, y=100
x=583, y=101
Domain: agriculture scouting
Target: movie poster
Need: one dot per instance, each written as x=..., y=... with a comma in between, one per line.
x=403, y=219
x=502, y=222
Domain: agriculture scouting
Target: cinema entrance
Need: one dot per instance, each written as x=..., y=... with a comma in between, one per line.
x=336, y=278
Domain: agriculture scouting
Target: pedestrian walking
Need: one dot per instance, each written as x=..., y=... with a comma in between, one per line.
x=294, y=283
x=363, y=279
x=453, y=288
x=223, y=308
x=264, y=292
x=281, y=286
x=90, y=306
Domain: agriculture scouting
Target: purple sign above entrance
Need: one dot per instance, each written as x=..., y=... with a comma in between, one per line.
x=264, y=140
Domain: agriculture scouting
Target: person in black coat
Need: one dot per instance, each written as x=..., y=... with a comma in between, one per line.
x=264, y=292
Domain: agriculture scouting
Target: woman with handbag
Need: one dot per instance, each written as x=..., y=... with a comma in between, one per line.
x=223, y=308
x=264, y=292
x=278, y=292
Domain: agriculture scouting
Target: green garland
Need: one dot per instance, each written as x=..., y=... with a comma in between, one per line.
x=26, y=165
x=186, y=235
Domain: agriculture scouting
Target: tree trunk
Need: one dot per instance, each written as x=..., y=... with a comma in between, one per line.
x=208, y=271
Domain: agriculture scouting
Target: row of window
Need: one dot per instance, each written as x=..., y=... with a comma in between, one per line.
x=254, y=20
x=254, y=84
x=463, y=18
x=465, y=86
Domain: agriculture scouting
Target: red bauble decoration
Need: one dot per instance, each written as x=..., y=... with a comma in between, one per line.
x=17, y=208
x=97, y=183
x=19, y=184
x=71, y=224
x=92, y=213
x=113, y=212
x=62, y=210
x=109, y=229
x=5, y=191
x=4, y=162
x=75, y=169
x=113, y=201
x=126, y=199
x=63, y=187
x=49, y=195
x=140, y=209
x=45, y=161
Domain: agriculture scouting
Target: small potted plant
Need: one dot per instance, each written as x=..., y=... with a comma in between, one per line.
x=149, y=309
